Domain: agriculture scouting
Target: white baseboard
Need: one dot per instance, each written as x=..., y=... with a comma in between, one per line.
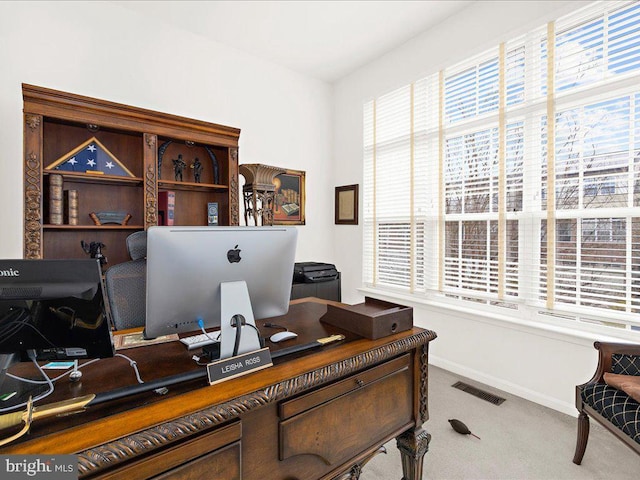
x=512, y=388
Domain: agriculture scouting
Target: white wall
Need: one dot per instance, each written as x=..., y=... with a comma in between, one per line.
x=103, y=50
x=541, y=365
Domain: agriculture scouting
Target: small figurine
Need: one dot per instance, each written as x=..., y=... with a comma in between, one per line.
x=178, y=167
x=94, y=249
x=197, y=169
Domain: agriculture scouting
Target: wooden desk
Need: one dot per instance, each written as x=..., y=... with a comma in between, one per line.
x=319, y=415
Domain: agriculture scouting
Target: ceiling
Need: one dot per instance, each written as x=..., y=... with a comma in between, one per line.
x=326, y=40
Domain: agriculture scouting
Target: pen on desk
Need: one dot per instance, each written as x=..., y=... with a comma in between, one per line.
x=306, y=346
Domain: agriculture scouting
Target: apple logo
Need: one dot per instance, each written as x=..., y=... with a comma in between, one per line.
x=233, y=255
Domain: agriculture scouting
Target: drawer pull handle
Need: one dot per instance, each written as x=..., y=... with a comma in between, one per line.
x=359, y=382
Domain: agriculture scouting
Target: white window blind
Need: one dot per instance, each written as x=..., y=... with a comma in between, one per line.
x=512, y=179
x=395, y=157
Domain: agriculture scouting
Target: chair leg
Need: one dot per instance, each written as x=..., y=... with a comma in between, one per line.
x=583, y=436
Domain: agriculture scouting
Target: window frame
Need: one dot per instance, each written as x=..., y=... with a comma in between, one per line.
x=529, y=104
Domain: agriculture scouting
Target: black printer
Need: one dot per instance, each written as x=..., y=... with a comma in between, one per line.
x=313, y=272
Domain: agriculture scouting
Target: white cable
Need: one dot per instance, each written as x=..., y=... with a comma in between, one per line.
x=41, y=382
x=201, y=324
x=28, y=380
x=133, y=364
x=50, y=381
x=42, y=395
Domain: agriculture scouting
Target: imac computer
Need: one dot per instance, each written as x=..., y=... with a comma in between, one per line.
x=209, y=277
x=55, y=308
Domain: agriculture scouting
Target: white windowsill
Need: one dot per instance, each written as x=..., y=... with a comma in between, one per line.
x=543, y=329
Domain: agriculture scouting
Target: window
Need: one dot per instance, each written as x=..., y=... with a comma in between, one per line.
x=511, y=179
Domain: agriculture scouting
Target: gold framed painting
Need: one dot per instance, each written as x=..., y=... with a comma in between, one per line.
x=346, y=205
x=289, y=198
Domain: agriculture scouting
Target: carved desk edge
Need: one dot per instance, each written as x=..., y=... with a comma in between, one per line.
x=126, y=448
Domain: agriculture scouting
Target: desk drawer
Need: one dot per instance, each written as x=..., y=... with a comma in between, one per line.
x=340, y=420
x=223, y=464
x=216, y=453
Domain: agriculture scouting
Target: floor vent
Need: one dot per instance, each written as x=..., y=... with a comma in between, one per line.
x=489, y=397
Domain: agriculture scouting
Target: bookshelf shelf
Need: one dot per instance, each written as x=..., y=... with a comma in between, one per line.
x=92, y=227
x=173, y=185
x=95, y=179
x=147, y=144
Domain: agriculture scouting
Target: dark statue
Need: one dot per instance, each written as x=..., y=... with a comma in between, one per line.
x=94, y=249
x=197, y=169
x=178, y=167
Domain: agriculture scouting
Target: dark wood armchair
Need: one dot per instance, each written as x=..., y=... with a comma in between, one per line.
x=612, y=408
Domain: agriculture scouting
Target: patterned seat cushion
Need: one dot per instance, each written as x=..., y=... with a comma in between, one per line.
x=616, y=406
x=625, y=364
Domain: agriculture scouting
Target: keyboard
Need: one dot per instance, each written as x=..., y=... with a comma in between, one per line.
x=200, y=340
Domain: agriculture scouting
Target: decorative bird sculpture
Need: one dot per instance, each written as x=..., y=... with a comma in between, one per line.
x=461, y=428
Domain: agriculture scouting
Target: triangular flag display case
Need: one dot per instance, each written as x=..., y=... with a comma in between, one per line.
x=114, y=159
x=91, y=157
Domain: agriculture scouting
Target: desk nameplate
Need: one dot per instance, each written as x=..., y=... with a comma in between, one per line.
x=233, y=367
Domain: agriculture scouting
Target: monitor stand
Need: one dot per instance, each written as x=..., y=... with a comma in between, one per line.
x=235, y=307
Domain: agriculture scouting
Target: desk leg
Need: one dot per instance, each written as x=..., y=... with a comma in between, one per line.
x=413, y=444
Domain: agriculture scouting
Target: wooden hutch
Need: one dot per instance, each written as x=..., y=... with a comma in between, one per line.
x=144, y=142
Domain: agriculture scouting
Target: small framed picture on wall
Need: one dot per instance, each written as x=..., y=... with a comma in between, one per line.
x=347, y=205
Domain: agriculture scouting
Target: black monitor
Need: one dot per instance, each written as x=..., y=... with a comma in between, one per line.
x=55, y=307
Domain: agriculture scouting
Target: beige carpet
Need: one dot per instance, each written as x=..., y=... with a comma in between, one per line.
x=519, y=440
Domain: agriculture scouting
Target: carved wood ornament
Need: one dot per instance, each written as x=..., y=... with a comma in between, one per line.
x=424, y=384
x=150, y=140
x=150, y=181
x=234, y=195
x=33, y=121
x=32, y=188
x=151, y=199
x=413, y=445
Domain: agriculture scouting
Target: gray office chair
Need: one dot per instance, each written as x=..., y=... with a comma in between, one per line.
x=126, y=285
